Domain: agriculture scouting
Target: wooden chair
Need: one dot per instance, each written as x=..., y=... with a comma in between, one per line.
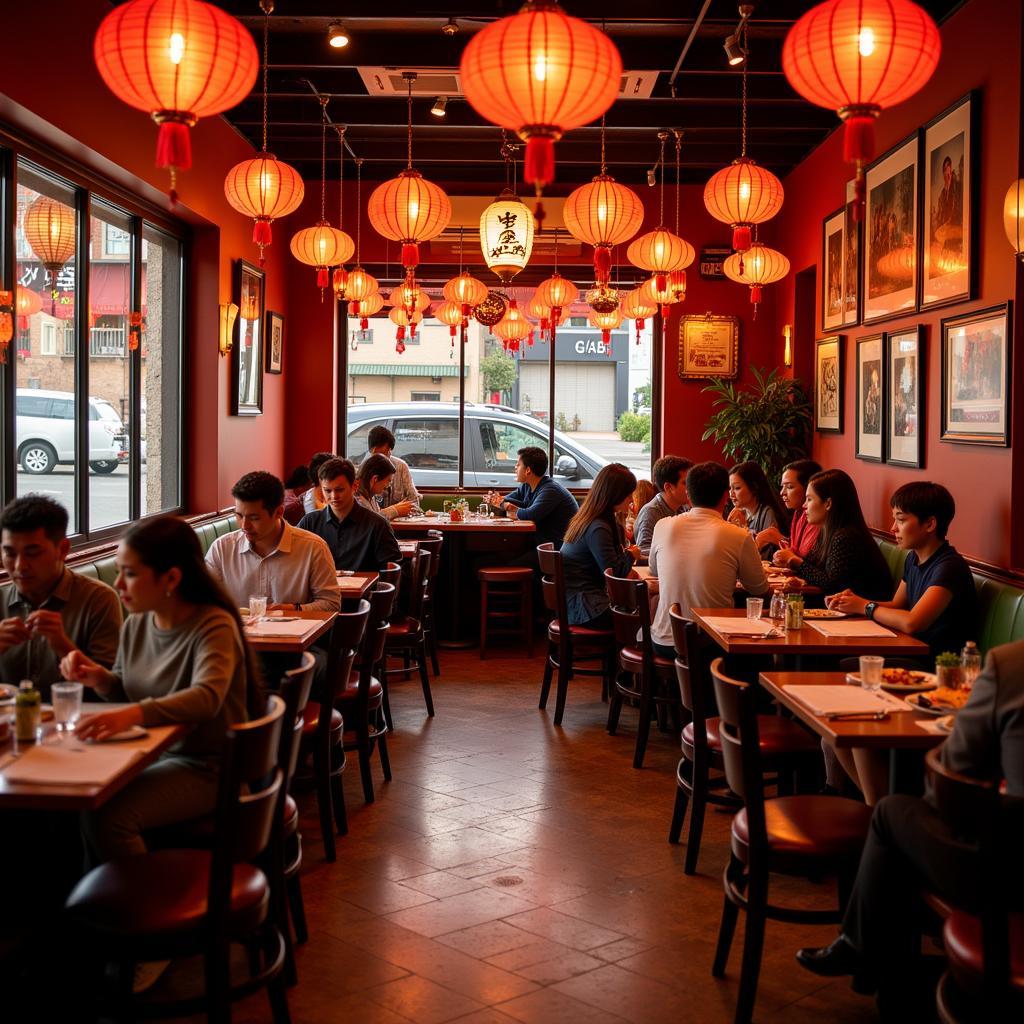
x=433, y=543
x=570, y=648
x=405, y=637
x=984, y=978
x=391, y=575
x=800, y=836
x=784, y=745
x=645, y=679
x=172, y=904
x=323, y=726
x=361, y=700
x=506, y=605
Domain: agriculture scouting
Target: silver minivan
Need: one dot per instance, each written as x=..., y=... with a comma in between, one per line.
x=427, y=437
x=46, y=432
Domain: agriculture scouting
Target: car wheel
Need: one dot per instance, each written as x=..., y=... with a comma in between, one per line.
x=104, y=467
x=37, y=457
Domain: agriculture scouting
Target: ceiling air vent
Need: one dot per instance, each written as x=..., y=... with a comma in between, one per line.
x=429, y=82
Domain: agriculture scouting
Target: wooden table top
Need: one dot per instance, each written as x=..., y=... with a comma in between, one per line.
x=86, y=797
x=644, y=572
x=473, y=524
x=899, y=731
x=806, y=640
x=324, y=620
x=408, y=547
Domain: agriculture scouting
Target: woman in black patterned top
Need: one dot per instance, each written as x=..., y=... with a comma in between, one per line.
x=845, y=554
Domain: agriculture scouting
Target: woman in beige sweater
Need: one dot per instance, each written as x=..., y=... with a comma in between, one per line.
x=182, y=659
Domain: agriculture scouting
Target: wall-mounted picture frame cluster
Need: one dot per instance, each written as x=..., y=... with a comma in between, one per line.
x=828, y=385
x=840, y=261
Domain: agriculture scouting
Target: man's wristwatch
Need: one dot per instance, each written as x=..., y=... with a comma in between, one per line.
x=869, y=609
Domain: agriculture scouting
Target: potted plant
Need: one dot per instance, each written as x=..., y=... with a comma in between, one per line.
x=767, y=423
x=947, y=670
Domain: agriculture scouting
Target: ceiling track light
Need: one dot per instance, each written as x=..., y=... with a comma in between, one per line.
x=337, y=35
x=450, y=28
x=440, y=106
x=734, y=51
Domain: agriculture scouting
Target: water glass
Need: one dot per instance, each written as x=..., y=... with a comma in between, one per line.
x=67, y=705
x=777, y=609
x=871, y=671
x=257, y=608
x=754, y=606
x=447, y=507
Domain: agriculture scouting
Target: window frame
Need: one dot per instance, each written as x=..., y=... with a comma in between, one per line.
x=90, y=191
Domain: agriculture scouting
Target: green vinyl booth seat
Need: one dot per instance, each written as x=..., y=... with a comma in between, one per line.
x=105, y=568
x=1000, y=605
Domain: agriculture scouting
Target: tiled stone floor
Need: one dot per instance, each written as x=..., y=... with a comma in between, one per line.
x=513, y=871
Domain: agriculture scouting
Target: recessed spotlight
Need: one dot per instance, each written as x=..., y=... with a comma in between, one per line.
x=734, y=51
x=337, y=35
x=439, y=107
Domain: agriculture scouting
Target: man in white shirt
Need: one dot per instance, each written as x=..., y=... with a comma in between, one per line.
x=268, y=557
x=697, y=557
x=400, y=497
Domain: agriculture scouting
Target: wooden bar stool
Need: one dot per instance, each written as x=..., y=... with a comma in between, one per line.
x=506, y=595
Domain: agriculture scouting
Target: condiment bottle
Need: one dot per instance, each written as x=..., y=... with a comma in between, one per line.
x=970, y=664
x=795, y=611
x=27, y=712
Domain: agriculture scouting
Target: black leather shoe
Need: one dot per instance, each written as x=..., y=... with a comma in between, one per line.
x=832, y=961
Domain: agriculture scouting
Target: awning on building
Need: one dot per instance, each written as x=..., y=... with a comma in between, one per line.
x=405, y=370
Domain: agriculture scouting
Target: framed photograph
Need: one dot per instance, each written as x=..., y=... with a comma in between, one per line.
x=275, y=341
x=870, y=398
x=833, y=270
x=949, y=250
x=890, y=234
x=828, y=385
x=976, y=377
x=247, y=350
x=851, y=262
x=709, y=346
x=904, y=398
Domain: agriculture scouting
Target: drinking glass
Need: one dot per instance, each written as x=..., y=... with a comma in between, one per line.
x=447, y=506
x=67, y=705
x=778, y=606
x=257, y=608
x=871, y=671
x=754, y=606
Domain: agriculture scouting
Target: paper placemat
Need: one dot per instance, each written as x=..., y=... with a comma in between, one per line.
x=848, y=627
x=293, y=627
x=840, y=700
x=738, y=626
x=71, y=764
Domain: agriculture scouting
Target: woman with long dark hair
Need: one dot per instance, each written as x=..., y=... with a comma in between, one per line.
x=182, y=659
x=595, y=541
x=375, y=475
x=793, y=492
x=756, y=506
x=845, y=554
x=642, y=493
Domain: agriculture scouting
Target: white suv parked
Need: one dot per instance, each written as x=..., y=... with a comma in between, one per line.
x=46, y=431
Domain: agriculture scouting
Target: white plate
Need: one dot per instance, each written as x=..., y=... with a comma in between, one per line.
x=928, y=681
x=823, y=613
x=133, y=732
x=941, y=711
x=8, y=692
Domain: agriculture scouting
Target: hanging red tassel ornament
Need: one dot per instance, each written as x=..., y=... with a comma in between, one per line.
x=399, y=346
x=602, y=263
x=410, y=255
x=755, y=294
x=261, y=233
x=135, y=329
x=323, y=279
x=677, y=284
x=741, y=238
x=399, y=335
x=339, y=282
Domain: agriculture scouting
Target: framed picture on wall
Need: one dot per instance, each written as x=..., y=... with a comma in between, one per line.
x=870, y=398
x=890, y=234
x=828, y=385
x=976, y=377
x=833, y=270
x=247, y=350
x=709, y=347
x=904, y=398
x=949, y=249
x=275, y=341
x=851, y=262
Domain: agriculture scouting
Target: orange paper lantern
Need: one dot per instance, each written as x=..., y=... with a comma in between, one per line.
x=361, y=285
x=743, y=195
x=323, y=247
x=603, y=214
x=513, y=327
x=49, y=229
x=449, y=313
x=557, y=293
x=634, y=306
x=409, y=209
x=365, y=308
x=606, y=323
x=660, y=252
x=759, y=266
x=466, y=291
x=178, y=60
x=264, y=188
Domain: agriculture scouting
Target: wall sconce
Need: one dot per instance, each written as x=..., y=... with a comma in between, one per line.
x=787, y=350
x=228, y=312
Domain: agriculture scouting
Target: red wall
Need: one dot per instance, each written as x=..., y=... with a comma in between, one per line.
x=49, y=87
x=981, y=50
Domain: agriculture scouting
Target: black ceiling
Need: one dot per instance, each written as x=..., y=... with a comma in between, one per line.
x=703, y=100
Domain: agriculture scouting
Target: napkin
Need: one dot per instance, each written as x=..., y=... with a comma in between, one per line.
x=848, y=627
x=71, y=764
x=840, y=700
x=293, y=627
x=736, y=625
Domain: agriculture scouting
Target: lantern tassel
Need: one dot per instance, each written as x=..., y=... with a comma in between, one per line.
x=661, y=282
x=859, y=191
x=364, y=324
x=741, y=237
x=859, y=139
x=323, y=277
x=602, y=263
x=755, y=294
x=539, y=166
x=261, y=233
x=410, y=255
x=174, y=146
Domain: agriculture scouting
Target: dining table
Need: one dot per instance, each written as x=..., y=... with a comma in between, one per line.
x=62, y=773
x=294, y=632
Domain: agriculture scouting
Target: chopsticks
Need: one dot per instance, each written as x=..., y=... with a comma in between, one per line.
x=856, y=716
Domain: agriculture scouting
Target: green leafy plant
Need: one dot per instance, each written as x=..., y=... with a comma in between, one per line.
x=633, y=426
x=768, y=423
x=498, y=372
x=947, y=660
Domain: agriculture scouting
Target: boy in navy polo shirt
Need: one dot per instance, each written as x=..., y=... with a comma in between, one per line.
x=936, y=600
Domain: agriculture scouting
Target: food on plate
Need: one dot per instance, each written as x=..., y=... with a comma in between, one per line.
x=823, y=613
x=904, y=677
x=430, y=513
x=941, y=699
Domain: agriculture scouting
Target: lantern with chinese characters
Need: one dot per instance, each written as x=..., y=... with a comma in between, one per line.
x=603, y=214
x=635, y=307
x=365, y=308
x=606, y=323
x=49, y=229
x=466, y=291
x=540, y=72
x=178, y=60
x=859, y=57
x=1013, y=216
x=506, y=235
x=758, y=267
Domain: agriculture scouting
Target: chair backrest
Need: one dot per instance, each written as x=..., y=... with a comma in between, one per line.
x=346, y=636
x=247, y=800
x=741, y=750
x=692, y=673
x=631, y=610
x=295, y=686
x=552, y=584
x=382, y=602
x=420, y=580
x=433, y=543
x=391, y=573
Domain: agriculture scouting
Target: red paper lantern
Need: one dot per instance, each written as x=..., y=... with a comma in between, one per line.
x=557, y=293
x=743, y=195
x=540, y=73
x=513, y=327
x=449, y=313
x=49, y=229
x=466, y=291
x=634, y=306
x=606, y=323
x=660, y=252
x=339, y=282
x=322, y=247
x=409, y=209
x=361, y=285
x=26, y=304
x=365, y=308
x=264, y=188
x=603, y=214
x=759, y=266
x=178, y=60
x=858, y=57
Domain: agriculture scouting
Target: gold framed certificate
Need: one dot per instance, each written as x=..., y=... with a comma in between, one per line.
x=709, y=346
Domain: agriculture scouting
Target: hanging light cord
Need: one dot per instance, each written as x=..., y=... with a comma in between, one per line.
x=268, y=6
x=462, y=231
x=662, y=136
x=323, y=158
x=359, y=207
x=409, y=81
x=556, y=250
x=679, y=147
x=341, y=174
x=746, y=61
x=604, y=163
